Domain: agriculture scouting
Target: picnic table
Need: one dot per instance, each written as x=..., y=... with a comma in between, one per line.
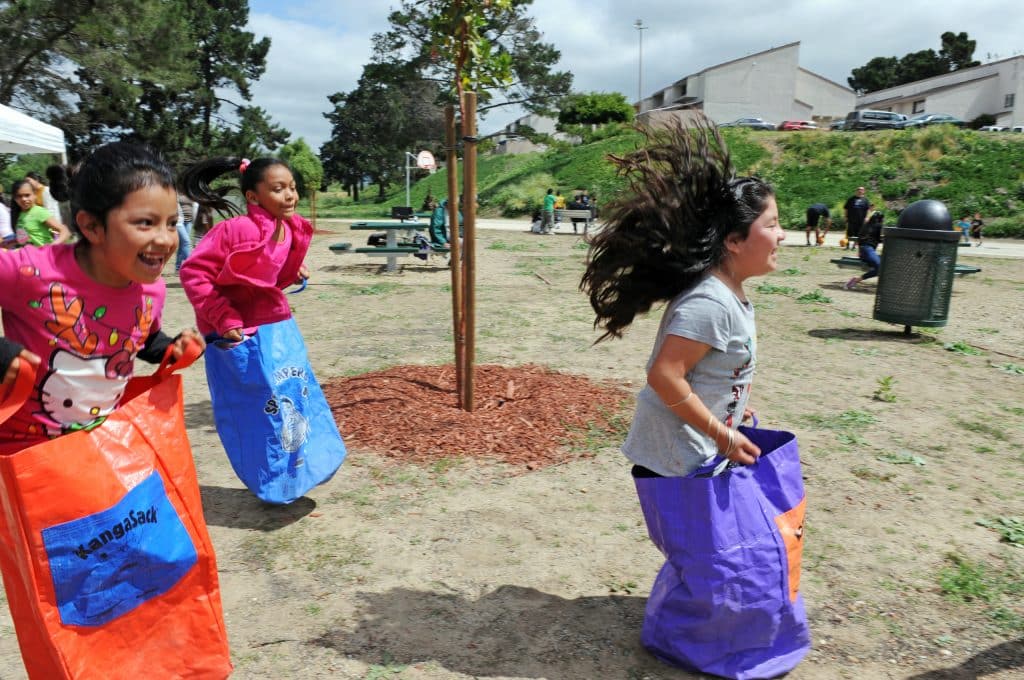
x=392, y=248
x=857, y=263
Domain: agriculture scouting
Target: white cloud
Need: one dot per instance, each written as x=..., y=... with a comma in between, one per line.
x=319, y=47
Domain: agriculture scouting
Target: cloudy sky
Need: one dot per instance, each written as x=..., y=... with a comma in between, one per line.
x=318, y=47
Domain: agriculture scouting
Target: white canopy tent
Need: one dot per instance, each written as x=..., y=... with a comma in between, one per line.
x=23, y=134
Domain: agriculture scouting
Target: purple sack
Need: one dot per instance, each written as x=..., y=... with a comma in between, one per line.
x=727, y=599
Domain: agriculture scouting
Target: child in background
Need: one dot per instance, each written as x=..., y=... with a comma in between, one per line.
x=976, y=226
x=83, y=312
x=236, y=275
x=964, y=225
x=39, y=225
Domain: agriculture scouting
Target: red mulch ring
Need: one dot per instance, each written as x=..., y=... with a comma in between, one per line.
x=524, y=416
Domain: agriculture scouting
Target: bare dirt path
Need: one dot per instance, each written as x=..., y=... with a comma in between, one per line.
x=468, y=568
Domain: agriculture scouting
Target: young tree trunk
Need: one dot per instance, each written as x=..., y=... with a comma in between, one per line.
x=469, y=244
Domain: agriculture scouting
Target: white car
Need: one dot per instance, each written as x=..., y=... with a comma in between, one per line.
x=993, y=128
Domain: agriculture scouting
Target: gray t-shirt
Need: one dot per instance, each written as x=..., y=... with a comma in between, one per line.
x=710, y=313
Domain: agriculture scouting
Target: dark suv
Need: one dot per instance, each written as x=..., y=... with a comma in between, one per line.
x=869, y=119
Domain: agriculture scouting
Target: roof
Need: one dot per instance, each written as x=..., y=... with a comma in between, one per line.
x=20, y=133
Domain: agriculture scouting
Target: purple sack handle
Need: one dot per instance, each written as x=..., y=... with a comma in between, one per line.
x=718, y=465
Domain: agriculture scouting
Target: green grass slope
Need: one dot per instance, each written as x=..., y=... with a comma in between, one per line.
x=970, y=171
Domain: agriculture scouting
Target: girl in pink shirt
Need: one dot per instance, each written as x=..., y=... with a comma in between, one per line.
x=80, y=313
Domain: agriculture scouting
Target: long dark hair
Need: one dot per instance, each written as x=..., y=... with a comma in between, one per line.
x=669, y=228
x=110, y=173
x=195, y=181
x=60, y=187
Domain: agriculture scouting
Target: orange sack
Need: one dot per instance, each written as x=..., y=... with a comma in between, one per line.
x=107, y=564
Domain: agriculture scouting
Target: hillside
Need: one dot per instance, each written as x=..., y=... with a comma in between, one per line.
x=970, y=171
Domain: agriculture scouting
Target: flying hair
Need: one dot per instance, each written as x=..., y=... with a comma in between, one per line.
x=668, y=229
x=196, y=182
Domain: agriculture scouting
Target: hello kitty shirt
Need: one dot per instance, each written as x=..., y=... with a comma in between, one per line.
x=86, y=334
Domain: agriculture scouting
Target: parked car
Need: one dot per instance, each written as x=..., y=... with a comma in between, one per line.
x=798, y=125
x=750, y=122
x=1017, y=128
x=869, y=119
x=838, y=124
x=993, y=128
x=931, y=119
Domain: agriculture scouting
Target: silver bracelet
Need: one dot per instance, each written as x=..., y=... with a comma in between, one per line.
x=681, y=401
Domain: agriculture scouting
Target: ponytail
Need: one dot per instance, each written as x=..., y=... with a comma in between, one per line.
x=196, y=181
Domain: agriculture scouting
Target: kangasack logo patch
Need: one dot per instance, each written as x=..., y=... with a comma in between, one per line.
x=108, y=563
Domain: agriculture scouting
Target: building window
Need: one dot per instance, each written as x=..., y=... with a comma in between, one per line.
x=918, y=106
x=1008, y=101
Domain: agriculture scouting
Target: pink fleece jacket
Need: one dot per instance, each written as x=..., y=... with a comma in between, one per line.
x=232, y=281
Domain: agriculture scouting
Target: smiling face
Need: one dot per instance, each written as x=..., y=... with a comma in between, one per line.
x=24, y=197
x=138, y=238
x=275, y=192
x=758, y=253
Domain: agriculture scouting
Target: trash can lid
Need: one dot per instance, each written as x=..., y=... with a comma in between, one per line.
x=926, y=214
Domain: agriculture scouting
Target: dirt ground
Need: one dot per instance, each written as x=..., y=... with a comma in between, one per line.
x=467, y=568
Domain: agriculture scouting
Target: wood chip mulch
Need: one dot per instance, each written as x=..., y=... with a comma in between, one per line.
x=526, y=416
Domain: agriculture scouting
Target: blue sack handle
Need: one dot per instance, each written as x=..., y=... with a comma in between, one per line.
x=302, y=287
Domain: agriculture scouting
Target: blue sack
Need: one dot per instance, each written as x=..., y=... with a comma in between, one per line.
x=727, y=599
x=271, y=415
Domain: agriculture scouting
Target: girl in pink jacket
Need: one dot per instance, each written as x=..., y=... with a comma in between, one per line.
x=273, y=420
x=236, y=275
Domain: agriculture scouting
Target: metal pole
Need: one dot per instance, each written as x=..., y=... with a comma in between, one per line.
x=639, y=24
x=407, y=199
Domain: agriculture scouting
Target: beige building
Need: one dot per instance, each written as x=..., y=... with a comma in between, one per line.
x=770, y=85
x=996, y=88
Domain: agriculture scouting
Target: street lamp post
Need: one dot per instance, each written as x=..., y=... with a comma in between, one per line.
x=639, y=25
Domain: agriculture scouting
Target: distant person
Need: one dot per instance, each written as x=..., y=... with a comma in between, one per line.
x=559, y=203
x=964, y=225
x=976, y=226
x=815, y=213
x=60, y=190
x=428, y=203
x=186, y=217
x=7, y=239
x=856, y=209
x=43, y=197
x=867, y=249
x=548, y=213
x=40, y=226
x=437, y=228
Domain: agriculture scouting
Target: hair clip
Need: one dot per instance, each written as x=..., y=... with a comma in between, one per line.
x=243, y=165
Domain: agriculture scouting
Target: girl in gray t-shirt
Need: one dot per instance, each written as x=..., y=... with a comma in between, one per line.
x=688, y=233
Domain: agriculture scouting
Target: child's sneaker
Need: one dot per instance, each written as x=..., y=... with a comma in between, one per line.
x=851, y=284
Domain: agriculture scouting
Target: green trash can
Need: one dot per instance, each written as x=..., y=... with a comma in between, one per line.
x=915, y=281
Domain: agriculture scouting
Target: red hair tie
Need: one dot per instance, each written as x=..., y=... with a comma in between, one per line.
x=243, y=165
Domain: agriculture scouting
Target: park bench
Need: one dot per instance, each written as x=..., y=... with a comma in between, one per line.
x=575, y=215
x=857, y=263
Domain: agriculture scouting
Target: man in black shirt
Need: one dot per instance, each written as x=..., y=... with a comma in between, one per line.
x=856, y=209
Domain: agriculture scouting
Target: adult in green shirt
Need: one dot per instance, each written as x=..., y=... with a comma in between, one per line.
x=37, y=222
x=547, y=221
